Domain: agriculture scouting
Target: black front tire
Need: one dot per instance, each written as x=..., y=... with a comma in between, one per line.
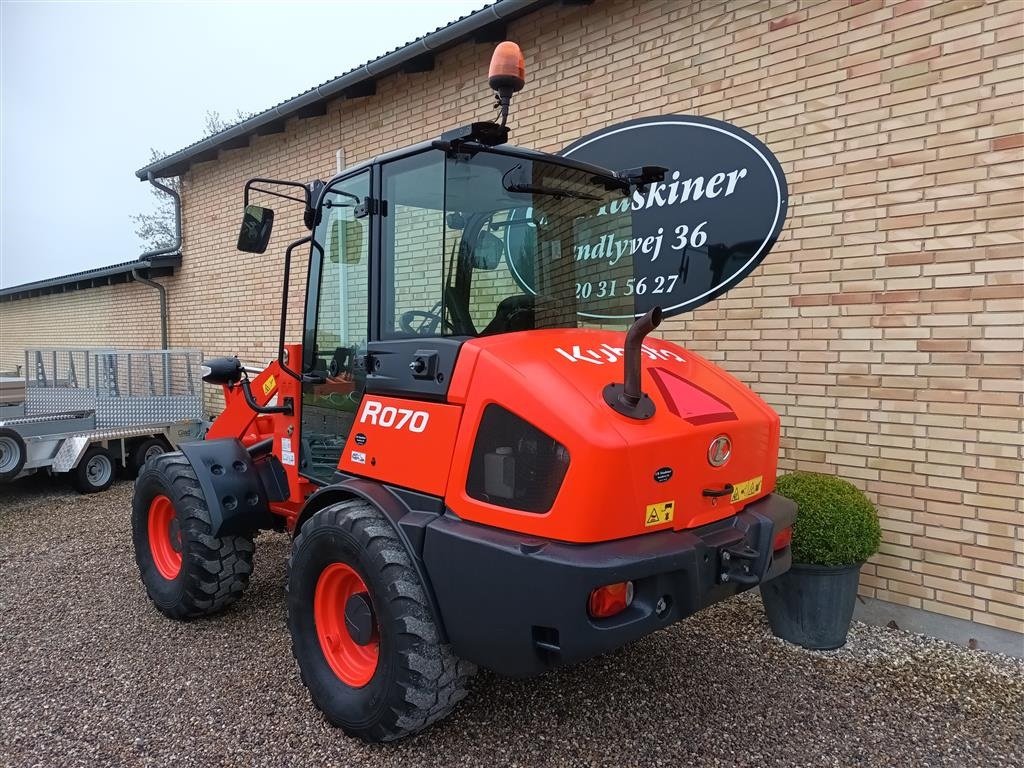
x=418, y=679
x=214, y=570
x=96, y=471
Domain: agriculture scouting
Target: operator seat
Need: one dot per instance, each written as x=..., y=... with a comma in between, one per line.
x=515, y=313
x=458, y=314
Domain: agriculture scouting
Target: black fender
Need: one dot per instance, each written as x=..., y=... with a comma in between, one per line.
x=408, y=512
x=230, y=480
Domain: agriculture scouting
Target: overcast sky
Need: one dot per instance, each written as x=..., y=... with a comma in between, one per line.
x=87, y=88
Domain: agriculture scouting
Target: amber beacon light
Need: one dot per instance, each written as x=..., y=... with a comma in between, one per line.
x=507, y=74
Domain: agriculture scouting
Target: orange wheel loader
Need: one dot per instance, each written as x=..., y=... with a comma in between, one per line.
x=473, y=470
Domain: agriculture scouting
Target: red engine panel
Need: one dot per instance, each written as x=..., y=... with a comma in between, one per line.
x=625, y=476
x=404, y=442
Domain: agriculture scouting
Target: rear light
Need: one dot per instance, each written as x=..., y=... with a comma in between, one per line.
x=782, y=539
x=611, y=599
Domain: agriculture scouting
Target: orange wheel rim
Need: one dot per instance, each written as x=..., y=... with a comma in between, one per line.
x=164, y=537
x=353, y=663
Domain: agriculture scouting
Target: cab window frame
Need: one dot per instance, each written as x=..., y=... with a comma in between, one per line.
x=388, y=317
x=314, y=273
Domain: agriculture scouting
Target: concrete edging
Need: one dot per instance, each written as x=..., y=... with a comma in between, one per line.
x=968, y=634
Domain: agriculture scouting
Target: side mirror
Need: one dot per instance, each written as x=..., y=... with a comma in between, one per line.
x=487, y=251
x=347, y=241
x=222, y=370
x=257, y=224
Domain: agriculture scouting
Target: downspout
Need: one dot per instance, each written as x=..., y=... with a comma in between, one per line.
x=163, y=304
x=172, y=248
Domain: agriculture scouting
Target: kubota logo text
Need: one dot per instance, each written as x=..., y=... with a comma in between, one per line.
x=390, y=417
x=606, y=353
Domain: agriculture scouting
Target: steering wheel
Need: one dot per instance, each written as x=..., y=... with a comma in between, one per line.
x=428, y=324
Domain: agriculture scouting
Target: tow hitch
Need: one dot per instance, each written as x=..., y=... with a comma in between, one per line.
x=735, y=564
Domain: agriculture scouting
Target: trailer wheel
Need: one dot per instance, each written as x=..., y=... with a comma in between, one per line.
x=186, y=571
x=143, y=451
x=363, y=631
x=12, y=454
x=95, y=471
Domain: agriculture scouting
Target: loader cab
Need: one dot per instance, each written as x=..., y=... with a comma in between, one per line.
x=420, y=250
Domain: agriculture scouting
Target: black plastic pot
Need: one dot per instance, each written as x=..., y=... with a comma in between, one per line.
x=812, y=605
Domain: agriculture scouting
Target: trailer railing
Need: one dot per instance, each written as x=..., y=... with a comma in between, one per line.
x=123, y=386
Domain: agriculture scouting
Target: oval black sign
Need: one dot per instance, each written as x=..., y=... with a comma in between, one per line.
x=360, y=439
x=694, y=235
x=663, y=475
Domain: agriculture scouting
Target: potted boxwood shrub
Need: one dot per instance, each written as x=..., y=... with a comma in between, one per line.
x=836, y=530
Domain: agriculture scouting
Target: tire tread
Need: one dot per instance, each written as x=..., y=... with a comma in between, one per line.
x=218, y=568
x=431, y=679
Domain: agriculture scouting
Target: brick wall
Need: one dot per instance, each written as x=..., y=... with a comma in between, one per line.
x=885, y=327
x=125, y=315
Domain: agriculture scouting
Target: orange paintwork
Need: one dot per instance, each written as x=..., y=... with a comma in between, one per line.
x=238, y=421
x=396, y=449
x=166, y=557
x=354, y=664
x=554, y=380
x=508, y=63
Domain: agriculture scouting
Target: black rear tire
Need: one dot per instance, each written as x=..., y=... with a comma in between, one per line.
x=12, y=454
x=96, y=470
x=145, y=449
x=417, y=679
x=214, y=570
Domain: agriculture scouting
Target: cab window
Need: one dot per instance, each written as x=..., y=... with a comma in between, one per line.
x=336, y=343
x=487, y=242
x=412, y=244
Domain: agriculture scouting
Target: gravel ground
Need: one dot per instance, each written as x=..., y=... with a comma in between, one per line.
x=92, y=675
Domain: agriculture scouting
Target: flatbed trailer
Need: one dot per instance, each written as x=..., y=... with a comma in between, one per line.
x=89, y=412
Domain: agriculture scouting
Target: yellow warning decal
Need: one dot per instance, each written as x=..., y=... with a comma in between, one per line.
x=269, y=384
x=746, y=489
x=659, y=514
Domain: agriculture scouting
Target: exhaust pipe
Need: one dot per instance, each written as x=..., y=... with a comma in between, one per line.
x=628, y=398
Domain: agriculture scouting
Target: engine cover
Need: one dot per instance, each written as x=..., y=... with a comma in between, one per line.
x=709, y=450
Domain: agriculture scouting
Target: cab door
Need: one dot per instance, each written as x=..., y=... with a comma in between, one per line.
x=337, y=325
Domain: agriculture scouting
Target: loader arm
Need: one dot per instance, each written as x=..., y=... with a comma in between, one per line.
x=271, y=439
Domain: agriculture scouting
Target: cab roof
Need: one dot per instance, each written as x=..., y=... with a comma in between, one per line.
x=501, y=149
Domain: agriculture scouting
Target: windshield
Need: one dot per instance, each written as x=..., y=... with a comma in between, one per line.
x=532, y=244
